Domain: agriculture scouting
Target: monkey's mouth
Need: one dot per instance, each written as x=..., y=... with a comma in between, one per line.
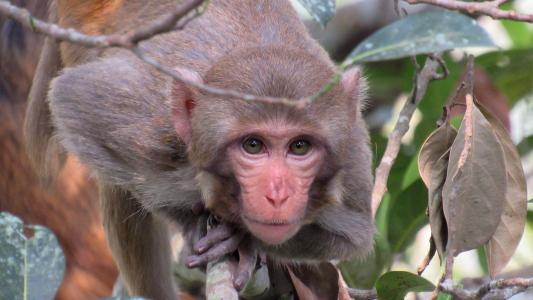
x=273, y=232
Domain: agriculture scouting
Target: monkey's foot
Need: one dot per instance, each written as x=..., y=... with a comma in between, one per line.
x=221, y=240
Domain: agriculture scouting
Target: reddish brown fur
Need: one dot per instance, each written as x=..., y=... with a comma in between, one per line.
x=69, y=208
x=90, y=17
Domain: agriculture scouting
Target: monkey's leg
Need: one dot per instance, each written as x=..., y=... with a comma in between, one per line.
x=139, y=242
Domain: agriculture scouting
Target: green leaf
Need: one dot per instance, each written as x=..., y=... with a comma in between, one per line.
x=363, y=274
x=411, y=174
x=510, y=71
x=32, y=268
x=257, y=285
x=395, y=285
x=321, y=10
x=518, y=32
x=406, y=216
x=427, y=32
x=525, y=146
x=482, y=259
x=382, y=214
x=443, y=296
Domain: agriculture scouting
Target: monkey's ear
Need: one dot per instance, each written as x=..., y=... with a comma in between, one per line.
x=354, y=84
x=182, y=103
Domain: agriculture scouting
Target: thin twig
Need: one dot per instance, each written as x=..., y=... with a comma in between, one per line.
x=427, y=74
x=489, y=8
x=465, y=87
x=443, y=66
x=431, y=252
x=397, y=8
x=505, y=288
x=130, y=40
x=447, y=277
x=214, y=90
x=469, y=77
x=358, y=294
x=126, y=40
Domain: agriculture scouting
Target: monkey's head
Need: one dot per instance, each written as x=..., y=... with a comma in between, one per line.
x=269, y=166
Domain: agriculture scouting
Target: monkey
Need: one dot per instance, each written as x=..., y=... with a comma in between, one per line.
x=293, y=183
x=69, y=207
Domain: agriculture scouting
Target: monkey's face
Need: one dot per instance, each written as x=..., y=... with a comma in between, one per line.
x=268, y=166
x=275, y=166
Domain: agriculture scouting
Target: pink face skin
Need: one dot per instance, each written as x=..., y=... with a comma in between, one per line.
x=275, y=166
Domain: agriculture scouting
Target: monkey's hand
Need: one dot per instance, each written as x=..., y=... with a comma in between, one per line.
x=221, y=240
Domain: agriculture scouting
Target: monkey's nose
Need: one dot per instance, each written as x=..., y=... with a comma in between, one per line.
x=277, y=202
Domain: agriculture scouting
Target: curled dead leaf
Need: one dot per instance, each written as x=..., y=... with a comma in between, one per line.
x=437, y=221
x=504, y=242
x=322, y=281
x=438, y=143
x=433, y=164
x=475, y=188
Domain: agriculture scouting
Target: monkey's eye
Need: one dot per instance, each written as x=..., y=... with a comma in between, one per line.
x=252, y=145
x=300, y=147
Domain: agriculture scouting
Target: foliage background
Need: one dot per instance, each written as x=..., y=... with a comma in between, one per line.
x=403, y=227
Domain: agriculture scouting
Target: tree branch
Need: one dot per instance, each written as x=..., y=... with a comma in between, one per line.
x=130, y=40
x=490, y=8
x=358, y=294
x=214, y=90
x=126, y=40
x=427, y=74
x=497, y=289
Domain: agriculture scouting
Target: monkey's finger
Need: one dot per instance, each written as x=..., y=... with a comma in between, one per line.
x=213, y=237
x=246, y=266
x=215, y=252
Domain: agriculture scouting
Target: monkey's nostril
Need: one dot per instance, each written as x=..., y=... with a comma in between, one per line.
x=277, y=201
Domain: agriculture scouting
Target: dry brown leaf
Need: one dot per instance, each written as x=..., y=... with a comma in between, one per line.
x=343, y=288
x=319, y=282
x=438, y=143
x=437, y=221
x=432, y=166
x=503, y=243
x=302, y=290
x=474, y=191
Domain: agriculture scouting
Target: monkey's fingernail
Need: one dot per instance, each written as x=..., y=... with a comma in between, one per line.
x=239, y=283
x=200, y=249
x=193, y=261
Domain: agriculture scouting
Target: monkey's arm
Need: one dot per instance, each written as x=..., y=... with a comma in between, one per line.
x=111, y=113
x=140, y=244
x=105, y=111
x=114, y=114
x=43, y=151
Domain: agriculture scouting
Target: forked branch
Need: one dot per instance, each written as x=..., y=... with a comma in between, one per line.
x=489, y=8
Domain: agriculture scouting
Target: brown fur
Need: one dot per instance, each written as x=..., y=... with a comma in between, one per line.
x=116, y=114
x=68, y=207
